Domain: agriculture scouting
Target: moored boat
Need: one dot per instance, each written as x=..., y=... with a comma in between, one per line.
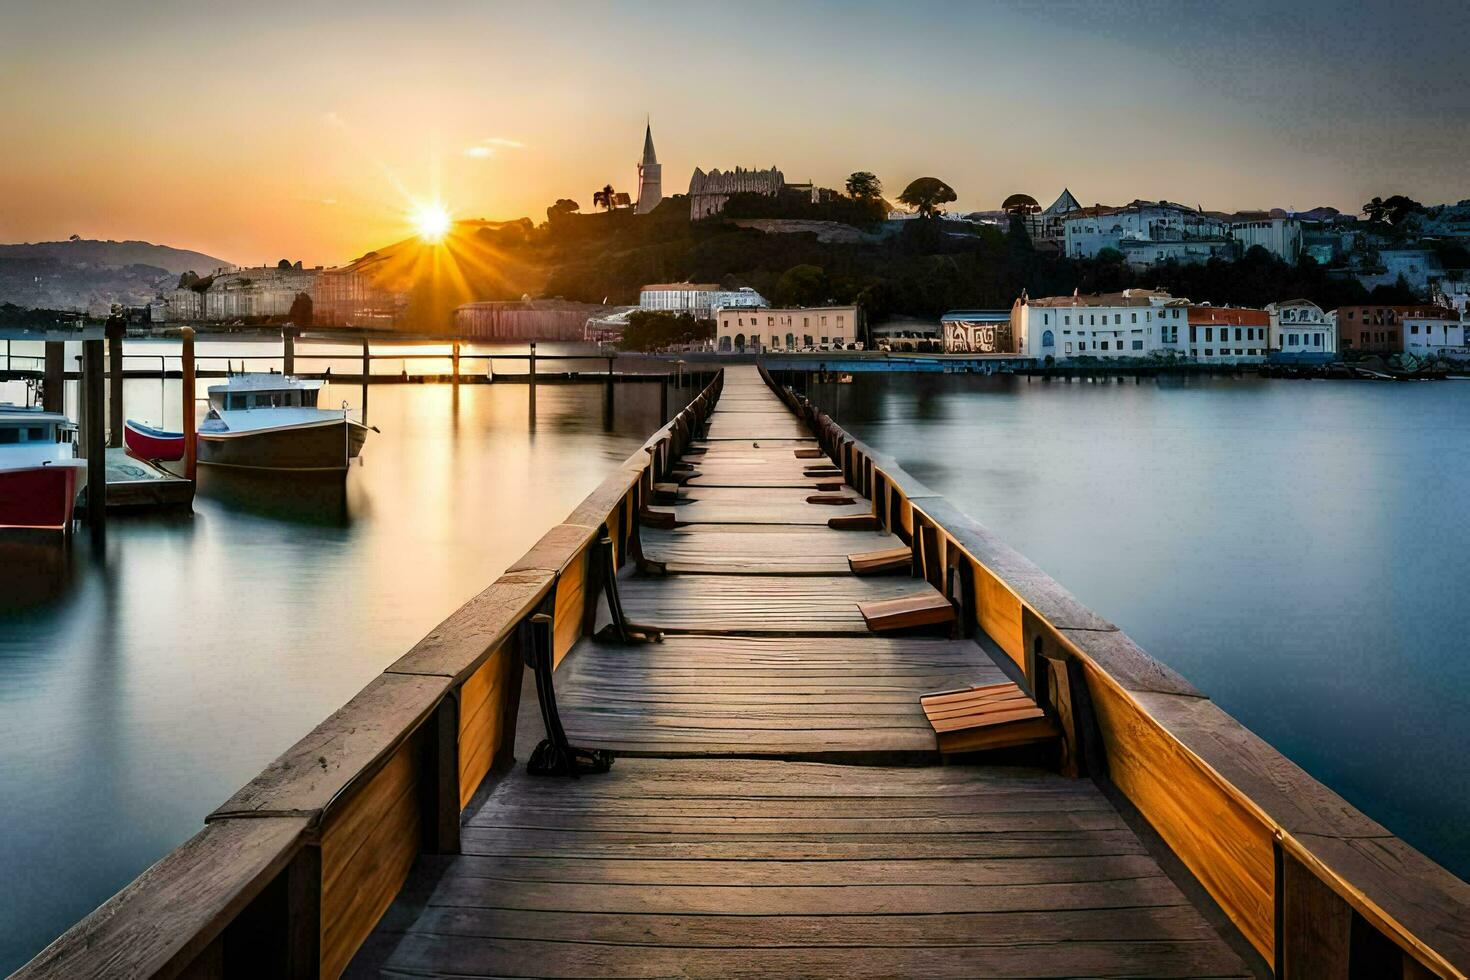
x=272, y=422
x=40, y=473
x=147, y=442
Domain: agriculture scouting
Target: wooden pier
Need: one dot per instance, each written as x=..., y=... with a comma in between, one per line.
x=778, y=805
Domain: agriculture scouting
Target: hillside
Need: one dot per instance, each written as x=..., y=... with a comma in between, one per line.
x=110, y=254
x=90, y=276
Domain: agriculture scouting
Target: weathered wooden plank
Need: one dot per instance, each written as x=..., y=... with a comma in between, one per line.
x=759, y=604
x=345, y=748
x=368, y=846
x=458, y=645
x=163, y=919
x=497, y=957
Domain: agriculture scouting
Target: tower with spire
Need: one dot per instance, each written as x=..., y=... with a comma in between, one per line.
x=650, y=175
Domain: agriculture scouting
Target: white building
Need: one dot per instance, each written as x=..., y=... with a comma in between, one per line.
x=1429, y=335
x=797, y=328
x=1146, y=232
x=697, y=298
x=1299, y=326
x=1279, y=235
x=1133, y=323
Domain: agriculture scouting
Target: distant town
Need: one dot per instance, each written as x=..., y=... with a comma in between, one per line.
x=1151, y=280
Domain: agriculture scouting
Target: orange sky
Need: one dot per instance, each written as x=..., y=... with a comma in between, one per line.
x=306, y=131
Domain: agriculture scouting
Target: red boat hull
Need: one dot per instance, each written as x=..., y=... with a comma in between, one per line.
x=148, y=447
x=39, y=497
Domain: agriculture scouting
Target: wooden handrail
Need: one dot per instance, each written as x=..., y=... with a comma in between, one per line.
x=291, y=874
x=1274, y=848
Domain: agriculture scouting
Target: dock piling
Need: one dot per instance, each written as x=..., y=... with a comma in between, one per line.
x=454, y=363
x=53, y=390
x=93, y=423
x=114, y=382
x=288, y=353
x=367, y=367
x=186, y=385
x=532, y=380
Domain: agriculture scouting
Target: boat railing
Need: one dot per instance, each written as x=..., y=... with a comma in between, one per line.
x=291, y=874
x=1316, y=887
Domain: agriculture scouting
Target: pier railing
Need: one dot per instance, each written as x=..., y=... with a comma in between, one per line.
x=291, y=874
x=1314, y=885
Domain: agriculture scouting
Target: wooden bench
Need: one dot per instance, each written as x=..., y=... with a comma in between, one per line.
x=995, y=716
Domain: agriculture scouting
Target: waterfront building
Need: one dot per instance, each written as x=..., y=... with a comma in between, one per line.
x=1132, y=323
x=792, y=328
x=1146, y=233
x=1228, y=334
x=528, y=319
x=650, y=175
x=1380, y=329
x=1299, y=326
x=1048, y=226
x=696, y=298
x=241, y=294
x=977, y=332
x=351, y=295
x=1417, y=267
x=1453, y=293
x=1436, y=334
x=708, y=192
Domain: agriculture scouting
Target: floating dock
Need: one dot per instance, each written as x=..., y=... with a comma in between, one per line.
x=778, y=804
x=136, y=485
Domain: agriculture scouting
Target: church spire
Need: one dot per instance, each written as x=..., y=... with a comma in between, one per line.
x=648, y=155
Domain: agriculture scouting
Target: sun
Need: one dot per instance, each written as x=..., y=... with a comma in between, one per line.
x=432, y=221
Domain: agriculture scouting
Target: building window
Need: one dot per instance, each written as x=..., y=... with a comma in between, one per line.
x=1133, y=318
x=1047, y=340
x=1104, y=345
x=1138, y=345
x=1067, y=347
x=1209, y=333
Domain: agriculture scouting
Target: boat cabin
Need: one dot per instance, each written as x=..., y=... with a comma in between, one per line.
x=249, y=391
x=29, y=426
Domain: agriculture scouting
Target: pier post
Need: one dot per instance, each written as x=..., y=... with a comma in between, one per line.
x=93, y=423
x=532, y=379
x=186, y=409
x=367, y=367
x=288, y=353
x=114, y=382
x=53, y=388
x=454, y=362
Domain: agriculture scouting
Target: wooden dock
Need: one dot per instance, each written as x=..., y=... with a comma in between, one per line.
x=778, y=805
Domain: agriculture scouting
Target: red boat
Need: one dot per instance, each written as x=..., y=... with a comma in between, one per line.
x=148, y=443
x=39, y=472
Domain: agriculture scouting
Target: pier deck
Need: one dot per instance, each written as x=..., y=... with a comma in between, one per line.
x=727, y=840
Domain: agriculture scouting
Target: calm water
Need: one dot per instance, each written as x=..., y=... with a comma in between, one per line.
x=1298, y=550
x=140, y=689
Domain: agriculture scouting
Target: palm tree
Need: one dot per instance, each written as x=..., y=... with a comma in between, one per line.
x=604, y=197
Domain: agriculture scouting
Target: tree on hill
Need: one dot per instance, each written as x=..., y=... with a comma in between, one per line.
x=563, y=206
x=864, y=186
x=802, y=285
x=927, y=195
x=605, y=198
x=1392, y=210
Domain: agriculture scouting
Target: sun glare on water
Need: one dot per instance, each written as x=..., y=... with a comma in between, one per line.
x=432, y=222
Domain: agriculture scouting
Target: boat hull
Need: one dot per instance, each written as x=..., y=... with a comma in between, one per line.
x=147, y=446
x=38, y=497
x=316, y=447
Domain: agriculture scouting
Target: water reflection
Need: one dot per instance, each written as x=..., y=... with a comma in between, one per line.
x=1296, y=549
x=140, y=687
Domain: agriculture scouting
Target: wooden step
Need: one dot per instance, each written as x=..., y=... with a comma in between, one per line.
x=831, y=499
x=881, y=562
x=649, y=517
x=989, y=717
x=808, y=453
x=855, y=522
x=829, y=487
x=910, y=612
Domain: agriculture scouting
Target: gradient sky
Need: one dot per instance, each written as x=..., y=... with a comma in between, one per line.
x=260, y=130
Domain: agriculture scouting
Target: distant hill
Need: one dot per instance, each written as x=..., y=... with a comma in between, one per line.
x=90, y=276
x=85, y=251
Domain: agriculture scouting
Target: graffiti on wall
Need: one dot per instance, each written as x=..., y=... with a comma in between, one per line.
x=965, y=337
